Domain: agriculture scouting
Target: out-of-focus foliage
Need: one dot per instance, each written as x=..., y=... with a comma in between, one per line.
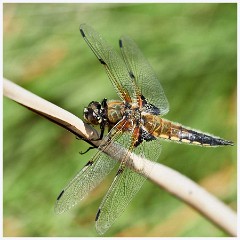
x=192, y=48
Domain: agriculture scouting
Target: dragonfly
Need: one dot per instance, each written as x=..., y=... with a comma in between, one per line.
x=134, y=122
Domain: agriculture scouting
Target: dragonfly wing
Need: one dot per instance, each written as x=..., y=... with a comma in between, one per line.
x=111, y=60
x=91, y=175
x=124, y=187
x=145, y=76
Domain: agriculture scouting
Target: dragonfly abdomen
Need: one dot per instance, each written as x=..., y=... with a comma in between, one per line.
x=183, y=134
x=175, y=132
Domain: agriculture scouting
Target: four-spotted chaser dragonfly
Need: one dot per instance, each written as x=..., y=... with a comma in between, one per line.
x=134, y=122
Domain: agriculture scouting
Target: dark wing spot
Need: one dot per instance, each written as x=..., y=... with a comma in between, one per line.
x=146, y=135
x=81, y=31
x=120, y=43
x=131, y=75
x=101, y=61
x=89, y=163
x=150, y=108
x=98, y=213
x=60, y=195
x=120, y=170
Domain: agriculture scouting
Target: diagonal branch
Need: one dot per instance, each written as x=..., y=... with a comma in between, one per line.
x=165, y=177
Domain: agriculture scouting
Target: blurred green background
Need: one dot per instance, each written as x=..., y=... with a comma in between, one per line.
x=192, y=48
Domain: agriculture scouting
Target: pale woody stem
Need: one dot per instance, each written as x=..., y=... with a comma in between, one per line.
x=165, y=177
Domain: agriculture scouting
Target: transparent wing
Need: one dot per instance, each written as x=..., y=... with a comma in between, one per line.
x=92, y=174
x=145, y=76
x=125, y=185
x=111, y=60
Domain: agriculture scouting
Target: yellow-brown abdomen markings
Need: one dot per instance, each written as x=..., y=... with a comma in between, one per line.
x=175, y=132
x=179, y=133
x=170, y=131
x=165, y=130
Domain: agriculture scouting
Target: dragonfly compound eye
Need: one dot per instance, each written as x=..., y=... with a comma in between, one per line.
x=95, y=105
x=92, y=116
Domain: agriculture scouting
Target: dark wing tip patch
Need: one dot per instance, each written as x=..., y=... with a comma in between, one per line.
x=120, y=43
x=89, y=163
x=60, y=195
x=82, y=32
x=98, y=213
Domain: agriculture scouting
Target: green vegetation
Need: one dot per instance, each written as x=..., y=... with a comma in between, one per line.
x=192, y=48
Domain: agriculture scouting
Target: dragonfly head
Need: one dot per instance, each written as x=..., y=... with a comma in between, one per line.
x=93, y=113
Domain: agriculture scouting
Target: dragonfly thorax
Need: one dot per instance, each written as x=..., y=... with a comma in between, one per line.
x=133, y=114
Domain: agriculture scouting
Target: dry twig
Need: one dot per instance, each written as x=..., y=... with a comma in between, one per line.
x=165, y=177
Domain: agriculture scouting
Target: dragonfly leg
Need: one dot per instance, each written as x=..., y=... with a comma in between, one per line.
x=87, y=150
x=102, y=128
x=84, y=139
x=79, y=138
